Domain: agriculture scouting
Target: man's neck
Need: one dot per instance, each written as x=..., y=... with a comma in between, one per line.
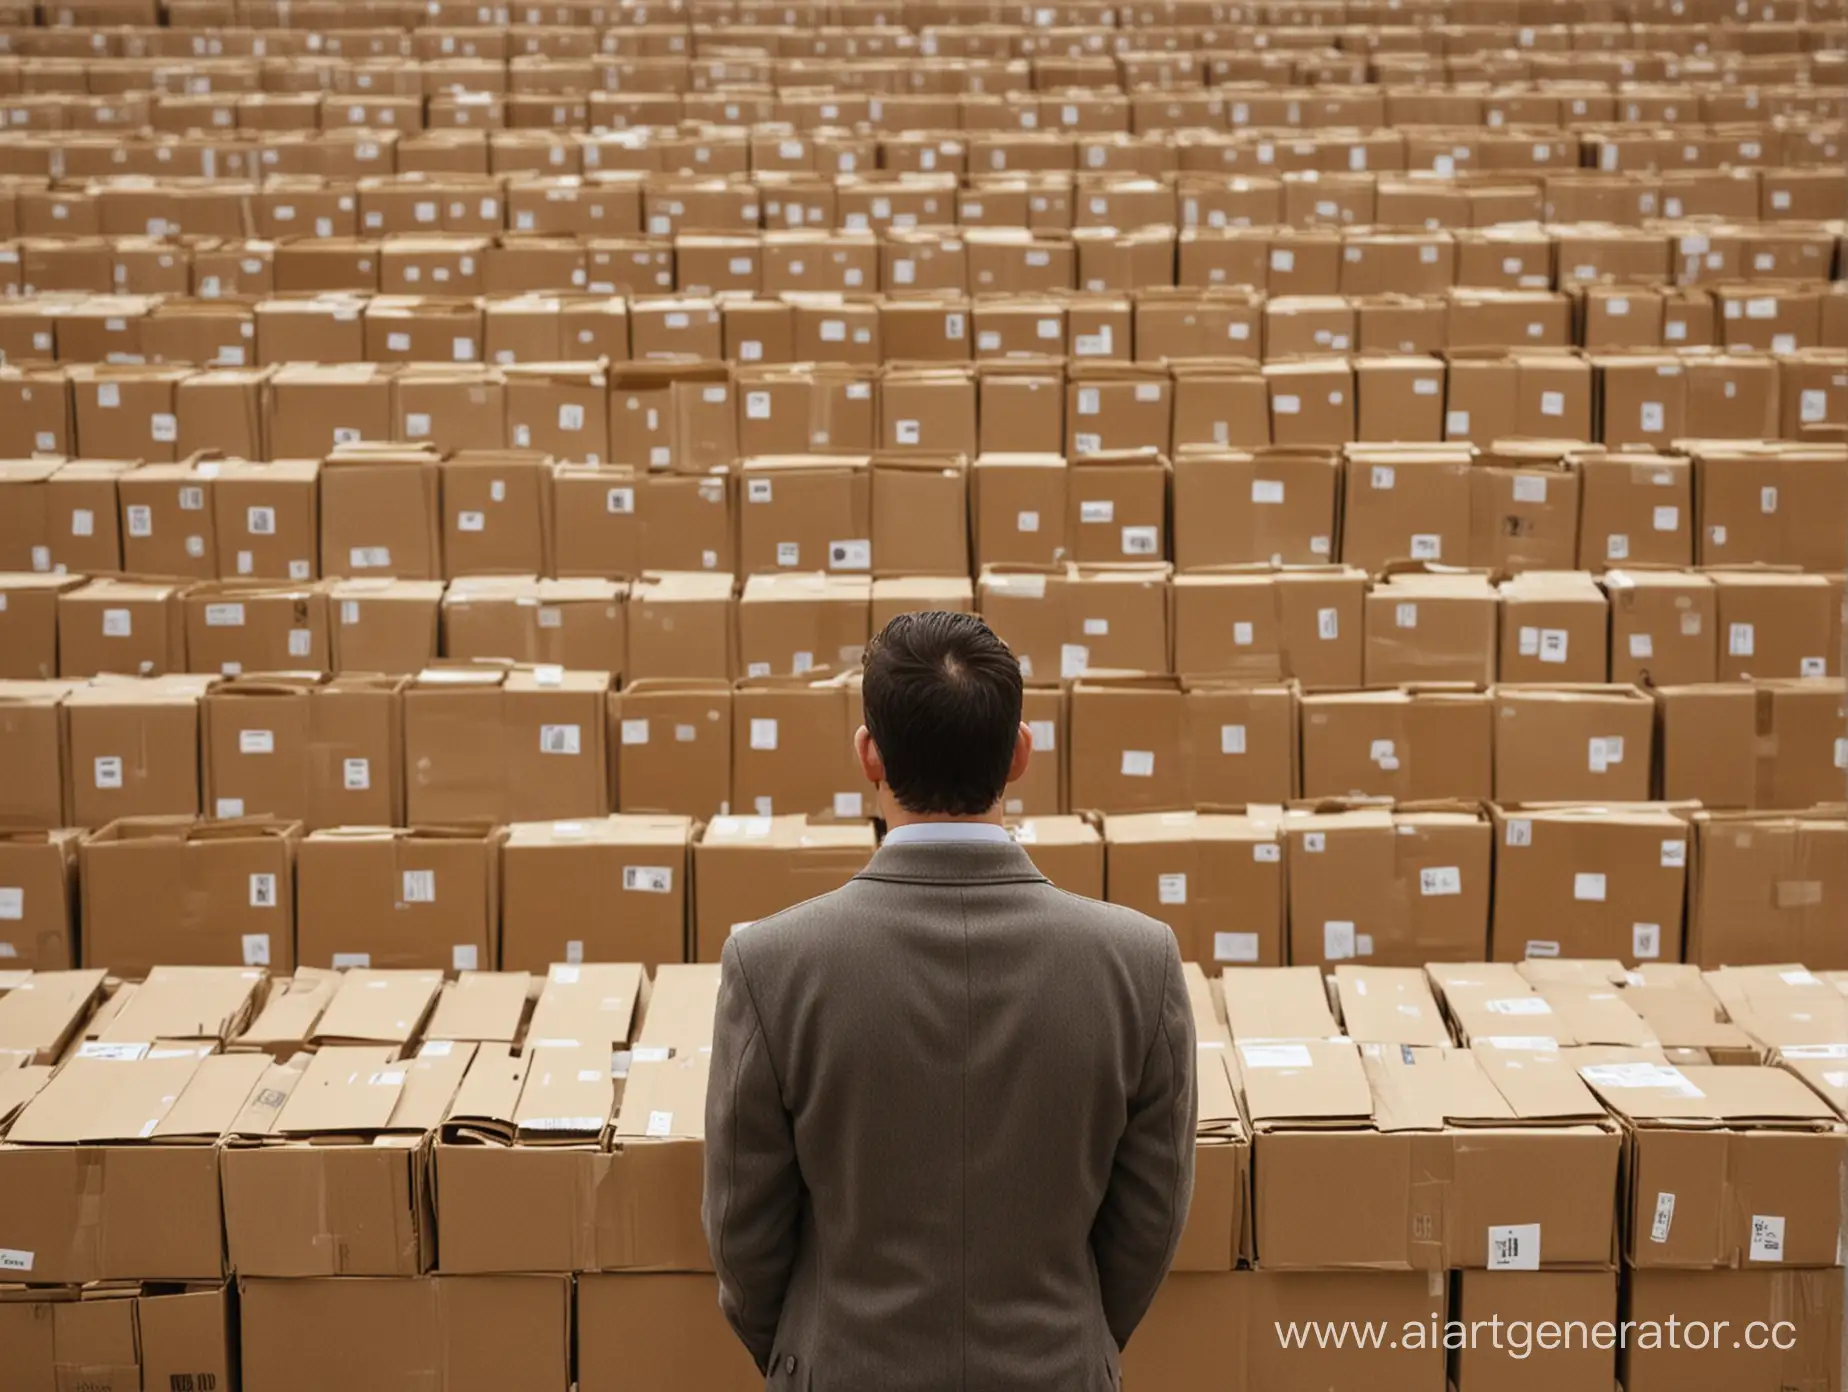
x=895, y=816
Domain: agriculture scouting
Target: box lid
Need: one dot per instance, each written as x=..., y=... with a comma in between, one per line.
x=386, y=1007
x=187, y=1003
x=623, y=829
x=163, y=1095
x=1539, y=1084
x=481, y=1006
x=1707, y=1094
x=1277, y=1003
x=1305, y=1082
x=1389, y=1005
x=42, y=1011
x=367, y=1088
x=665, y=1098
x=295, y=1005
x=592, y=1004
x=567, y=1093
x=1063, y=830
x=1153, y=828
x=1428, y=1089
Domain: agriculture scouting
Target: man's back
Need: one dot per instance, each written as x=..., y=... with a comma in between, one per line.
x=950, y=1128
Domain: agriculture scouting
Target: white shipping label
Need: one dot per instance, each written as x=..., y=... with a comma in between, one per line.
x=420, y=886
x=1074, y=658
x=619, y=501
x=1138, y=763
x=1767, y=1239
x=464, y=957
x=1664, y=1218
x=635, y=732
x=1529, y=488
x=757, y=490
x=648, y=879
x=1440, y=879
x=849, y=804
x=1646, y=941
x=1674, y=853
x=1553, y=645
x=1642, y=645
x=1383, y=476
x=1141, y=541
x=1097, y=510
x=1338, y=940
x=850, y=555
x=1266, y=491
x=12, y=904
x=1663, y=519
x=1243, y=635
x=1027, y=522
x=260, y=521
x=1515, y=1248
x=256, y=949
x=471, y=521
x=1235, y=947
x=83, y=522
x=262, y=891
x=1275, y=1056
x=1045, y=735
x=1588, y=887
x=109, y=771
x=1427, y=546
x=660, y=1123
x=1327, y=624
x=256, y=742
x=1231, y=739
x=1267, y=852
x=1171, y=889
x=352, y=959
x=118, y=623
x=560, y=739
x=301, y=642
x=570, y=416
x=356, y=775
x=13, y=1259
x=763, y=733
x=1405, y=616
x=1739, y=640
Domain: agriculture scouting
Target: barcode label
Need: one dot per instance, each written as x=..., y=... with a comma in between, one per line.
x=559, y=739
x=1515, y=1248
x=1767, y=1239
x=256, y=742
x=1664, y=1218
x=109, y=771
x=262, y=891
x=660, y=1123
x=356, y=775
x=1440, y=879
x=420, y=886
x=260, y=521
x=256, y=949
x=648, y=879
x=1171, y=889
x=1235, y=947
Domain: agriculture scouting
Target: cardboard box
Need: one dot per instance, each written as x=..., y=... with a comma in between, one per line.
x=1065, y=849
x=427, y=899
x=1019, y=508
x=1413, y=744
x=1158, y=743
x=1554, y=627
x=1218, y=1228
x=147, y=1128
x=36, y=791
x=1391, y=1006
x=383, y=625
x=495, y=518
x=1764, y=888
x=1638, y=509
x=747, y=868
x=1540, y=731
x=805, y=512
x=42, y=1015
x=115, y=1337
x=1432, y=628
x=133, y=749
x=505, y=744
x=657, y=1333
x=268, y=519
x=613, y=889
x=319, y=751
x=38, y=900
x=179, y=1005
x=170, y=890
x=1388, y=888
x=475, y=1332
x=235, y=626
x=1751, y=1155
x=314, y=409
x=920, y=515
x=1763, y=745
x=379, y=513
x=1524, y=509
x=1217, y=880
x=1528, y=1305
x=1603, y=882
x=29, y=624
x=794, y=624
x=1810, y=1302
x=84, y=517
x=680, y=624
x=1041, y=790
x=1775, y=624
x=1765, y=503
x=671, y=746
x=1118, y=506
x=1406, y=502
x=130, y=627
x=1662, y=627
x=298, y=1204
x=919, y=595
x=1268, y=505
x=576, y=624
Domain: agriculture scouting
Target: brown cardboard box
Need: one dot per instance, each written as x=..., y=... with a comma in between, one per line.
x=1019, y=507
x=1065, y=849
x=1540, y=732
x=1765, y=888
x=147, y=1128
x=1216, y=879
x=1431, y=628
x=133, y=749
x=1311, y=401
x=428, y=898
x=124, y=411
x=747, y=868
x=495, y=518
x=1061, y=623
x=671, y=746
x=1524, y=509
x=202, y=1005
x=1601, y=882
x=1021, y=408
x=379, y=514
x=36, y=790
x=123, y=626
x=313, y=409
x=170, y=890
x=1390, y=1006
x=471, y=1331
x=792, y=747
x=656, y=1333
x=1041, y=790
x=29, y=623
x=38, y=883
x=920, y=515
x=1775, y=624
x=931, y=410
x=560, y=409
x=1638, y=509
x=575, y=624
x=1524, y=1303
x=167, y=520
x=1399, y=398
x=1765, y=504
x=234, y=626
x=113, y=1338
x=1751, y=1155
x=322, y=751
x=1708, y=735
x=268, y=519
x=1554, y=627
x=810, y=512
x=298, y=1204
x=1413, y=744
x=793, y=624
x=1388, y=888
x=1267, y=505
x=608, y=889
x=382, y=625
x=1662, y=626
x=680, y=624
x=921, y=594
x=84, y=517
x=793, y=408
x=505, y=744
x=1119, y=507
x=1406, y=502
x=25, y=534
x=1809, y=1303
x=41, y=1015
x=1148, y=743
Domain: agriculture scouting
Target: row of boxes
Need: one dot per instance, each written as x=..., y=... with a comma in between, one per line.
x=1302, y=1140
x=1324, y=628
x=1318, y=884
x=922, y=510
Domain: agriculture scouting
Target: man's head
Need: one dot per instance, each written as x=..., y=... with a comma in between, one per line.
x=943, y=729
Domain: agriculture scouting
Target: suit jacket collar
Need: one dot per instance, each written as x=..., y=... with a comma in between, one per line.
x=952, y=863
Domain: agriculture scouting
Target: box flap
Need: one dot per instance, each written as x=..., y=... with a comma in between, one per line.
x=489, y=1095
x=383, y=1006
x=213, y=1100
x=1426, y=1089
x=568, y=1094
x=1539, y=1084
x=1305, y=1082
x=665, y=1099
x=1389, y=1005
x=368, y=1089
x=105, y=1099
x=1596, y=1015
x=589, y=1004
x=294, y=1008
x=1736, y=1096
x=1277, y=1003
x=187, y=1003
x=482, y=1006
x=682, y=1007
x=41, y=1013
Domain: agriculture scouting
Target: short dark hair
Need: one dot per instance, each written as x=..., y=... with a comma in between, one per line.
x=942, y=697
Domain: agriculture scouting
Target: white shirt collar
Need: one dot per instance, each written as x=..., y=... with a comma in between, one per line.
x=937, y=833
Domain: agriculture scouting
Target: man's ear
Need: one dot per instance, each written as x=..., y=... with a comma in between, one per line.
x=1023, y=754
x=868, y=754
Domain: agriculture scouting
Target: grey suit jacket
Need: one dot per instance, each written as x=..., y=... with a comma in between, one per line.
x=950, y=1129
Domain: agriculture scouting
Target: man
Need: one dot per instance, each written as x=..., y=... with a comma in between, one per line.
x=950, y=1127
